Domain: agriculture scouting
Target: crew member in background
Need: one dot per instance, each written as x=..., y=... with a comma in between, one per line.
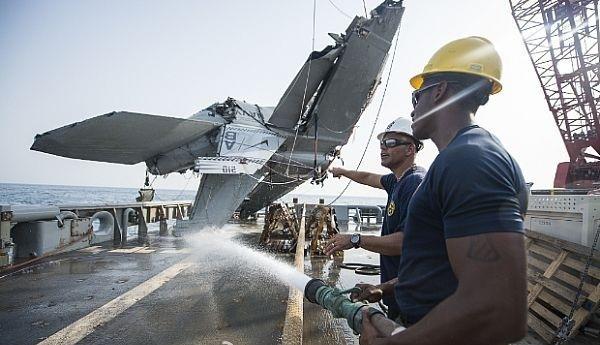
x=398, y=150
x=462, y=275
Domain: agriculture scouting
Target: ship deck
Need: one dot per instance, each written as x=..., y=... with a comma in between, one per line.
x=163, y=294
x=209, y=302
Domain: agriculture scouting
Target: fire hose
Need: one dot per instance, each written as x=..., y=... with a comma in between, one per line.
x=361, y=268
x=335, y=300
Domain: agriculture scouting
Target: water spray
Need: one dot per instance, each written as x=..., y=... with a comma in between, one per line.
x=316, y=291
x=335, y=300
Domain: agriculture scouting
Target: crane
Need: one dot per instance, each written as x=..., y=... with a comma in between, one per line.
x=561, y=37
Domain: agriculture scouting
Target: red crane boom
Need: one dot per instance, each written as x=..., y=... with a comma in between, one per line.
x=561, y=37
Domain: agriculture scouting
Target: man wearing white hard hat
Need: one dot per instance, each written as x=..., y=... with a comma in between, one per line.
x=398, y=150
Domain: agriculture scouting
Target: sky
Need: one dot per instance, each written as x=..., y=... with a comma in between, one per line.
x=66, y=61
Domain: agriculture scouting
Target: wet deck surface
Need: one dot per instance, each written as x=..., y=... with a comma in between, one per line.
x=211, y=302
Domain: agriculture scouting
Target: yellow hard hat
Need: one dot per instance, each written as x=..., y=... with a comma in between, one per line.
x=471, y=55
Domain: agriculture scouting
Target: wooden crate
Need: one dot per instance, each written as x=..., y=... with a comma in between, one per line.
x=553, y=270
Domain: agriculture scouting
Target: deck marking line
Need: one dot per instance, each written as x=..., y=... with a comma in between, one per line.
x=175, y=251
x=126, y=250
x=90, y=249
x=294, y=313
x=145, y=251
x=87, y=324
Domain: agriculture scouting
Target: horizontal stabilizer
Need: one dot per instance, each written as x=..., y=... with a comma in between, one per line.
x=121, y=137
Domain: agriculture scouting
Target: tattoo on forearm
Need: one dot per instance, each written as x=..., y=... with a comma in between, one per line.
x=482, y=249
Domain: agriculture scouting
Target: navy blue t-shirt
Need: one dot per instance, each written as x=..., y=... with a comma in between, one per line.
x=399, y=192
x=474, y=186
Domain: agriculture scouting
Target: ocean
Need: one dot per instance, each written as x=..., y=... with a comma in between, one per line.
x=35, y=194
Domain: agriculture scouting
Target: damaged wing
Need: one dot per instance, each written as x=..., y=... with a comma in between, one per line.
x=357, y=72
x=296, y=97
x=338, y=97
x=121, y=137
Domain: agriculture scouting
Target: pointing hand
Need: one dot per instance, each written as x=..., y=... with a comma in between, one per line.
x=337, y=243
x=337, y=172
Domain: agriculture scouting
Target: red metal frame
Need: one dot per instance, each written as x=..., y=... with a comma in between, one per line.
x=561, y=37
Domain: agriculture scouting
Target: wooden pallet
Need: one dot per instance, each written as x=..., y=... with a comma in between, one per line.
x=553, y=271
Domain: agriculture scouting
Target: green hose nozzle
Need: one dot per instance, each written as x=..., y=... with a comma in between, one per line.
x=335, y=300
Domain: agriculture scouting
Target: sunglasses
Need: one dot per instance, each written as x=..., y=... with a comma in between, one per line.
x=391, y=142
x=417, y=93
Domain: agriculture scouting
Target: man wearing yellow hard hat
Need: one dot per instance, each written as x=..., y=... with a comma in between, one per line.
x=462, y=274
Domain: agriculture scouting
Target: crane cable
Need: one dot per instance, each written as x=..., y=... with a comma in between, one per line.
x=339, y=10
x=314, y=24
x=376, y=118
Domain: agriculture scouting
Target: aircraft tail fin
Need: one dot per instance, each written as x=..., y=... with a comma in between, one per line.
x=218, y=197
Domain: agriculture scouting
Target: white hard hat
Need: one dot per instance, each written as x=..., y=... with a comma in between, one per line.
x=401, y=125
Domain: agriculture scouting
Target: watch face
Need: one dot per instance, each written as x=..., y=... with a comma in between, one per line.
x=354, y=239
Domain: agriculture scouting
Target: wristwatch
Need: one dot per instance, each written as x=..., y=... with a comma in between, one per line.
x=355, y=240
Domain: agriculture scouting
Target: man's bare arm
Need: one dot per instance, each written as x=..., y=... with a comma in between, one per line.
x=362, y=177
x=490, y=304
x=387, y=245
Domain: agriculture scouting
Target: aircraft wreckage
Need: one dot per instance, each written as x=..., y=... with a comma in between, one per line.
x=249, y=155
